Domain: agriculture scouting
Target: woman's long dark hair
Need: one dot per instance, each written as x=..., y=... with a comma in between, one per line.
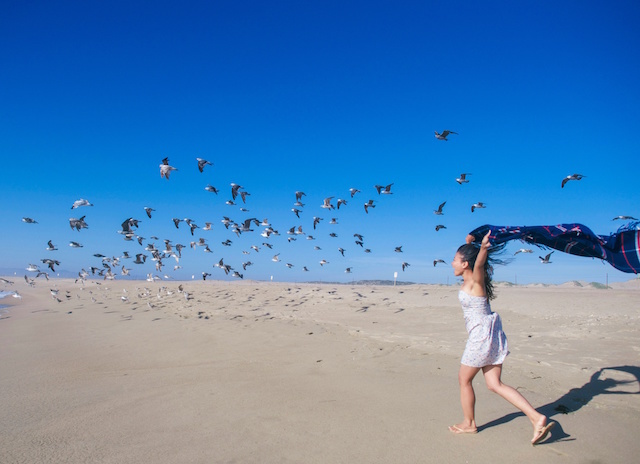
x=469, y=253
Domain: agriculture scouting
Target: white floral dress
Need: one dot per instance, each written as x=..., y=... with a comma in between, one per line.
x=487, y=343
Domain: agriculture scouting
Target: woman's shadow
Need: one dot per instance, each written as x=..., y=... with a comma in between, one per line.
x=576, y=398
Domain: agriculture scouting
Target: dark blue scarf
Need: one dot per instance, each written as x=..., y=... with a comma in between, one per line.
x=621, y=250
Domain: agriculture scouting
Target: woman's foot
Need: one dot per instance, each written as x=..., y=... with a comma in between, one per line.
x=463, y=428
x=541, y=430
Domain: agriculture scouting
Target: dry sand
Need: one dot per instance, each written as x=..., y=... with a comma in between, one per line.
x=253, y=372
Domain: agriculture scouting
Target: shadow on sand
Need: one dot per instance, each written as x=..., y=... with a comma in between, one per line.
x=576, y=398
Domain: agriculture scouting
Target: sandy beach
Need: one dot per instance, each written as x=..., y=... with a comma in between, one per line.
x=255, y=372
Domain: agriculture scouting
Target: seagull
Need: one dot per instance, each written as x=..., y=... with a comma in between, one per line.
x=78, y=223
x=205, y=275
x=140, y=258
x=341, y=250
x=368, y=205
x=571, y=177
x=398, y=249
x=75, y=245
x=625, y=218
x=444, y=134
x=32, y=268
x=275, y=259
x=359, y=237
x=80, y=202
x=384, y=190
x=523, y=250
x=341, y=202
x=202, y=163
x=440, y=226
x=323, y=262
x=436, y=261
x=545, y=260
x=148, y=211
x=439, y=210
x=237, y=274
x=51, y=246
x=299, y=195
x=165, y=169
x=234, y=189
x=348, y=270
x=28, y=220
x=477, y=205
x=316, y=221
x=463, y=178
x=327, y=203
x=211, y=188
x=296, y=211
x=353, y=191
x=405, y=265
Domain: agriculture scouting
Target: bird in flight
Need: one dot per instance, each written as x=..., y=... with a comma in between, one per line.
x=368, y=205
x=384, y=190
x=625, y=218
x=28, y=220
x=545, y=260
x=463, y=178
x=353, y=191
x=149, y=211
x=80, y=202
x=202, y=163
x=571, y=177
x=477, y=205
x=165, y=169
x=439, y=210
x=440, y=226
x=523, y=250
x=436, y=261
x=444, y=134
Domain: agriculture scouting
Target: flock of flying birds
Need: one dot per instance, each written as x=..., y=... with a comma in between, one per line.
x=110, y=267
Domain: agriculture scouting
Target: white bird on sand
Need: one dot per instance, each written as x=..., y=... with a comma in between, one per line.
x=165, y=169
x=545, y=260
x=463, y=178
x=571, y=177
x=80, y=202
x=202, y=163
x=444, y=134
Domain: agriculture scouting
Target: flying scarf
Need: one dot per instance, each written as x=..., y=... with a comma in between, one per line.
x=621, y=249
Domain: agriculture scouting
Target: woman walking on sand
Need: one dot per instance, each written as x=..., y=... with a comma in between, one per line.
x=486, y=347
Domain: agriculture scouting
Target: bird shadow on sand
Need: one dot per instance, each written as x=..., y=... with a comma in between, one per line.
x=600, y=383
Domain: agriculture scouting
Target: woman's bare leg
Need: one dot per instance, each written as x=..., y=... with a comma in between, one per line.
x=492, y=376
x=467, y=400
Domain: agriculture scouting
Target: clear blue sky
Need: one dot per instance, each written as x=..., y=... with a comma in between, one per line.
x=318, y=97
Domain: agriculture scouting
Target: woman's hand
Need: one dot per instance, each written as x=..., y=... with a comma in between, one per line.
x=485, y=241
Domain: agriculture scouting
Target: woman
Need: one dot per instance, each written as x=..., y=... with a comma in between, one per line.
x=486, y=347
